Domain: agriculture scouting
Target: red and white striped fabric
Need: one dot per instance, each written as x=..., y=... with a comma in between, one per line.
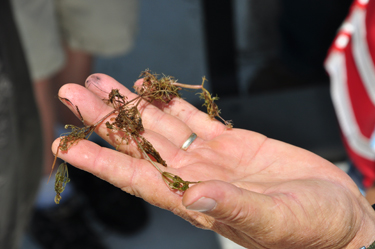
x=350, y=64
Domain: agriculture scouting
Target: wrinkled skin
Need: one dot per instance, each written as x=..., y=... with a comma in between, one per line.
x=268, y=194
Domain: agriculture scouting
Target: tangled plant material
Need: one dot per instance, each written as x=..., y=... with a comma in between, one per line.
x=126, y=122
x=212, y=108
x=62, y=178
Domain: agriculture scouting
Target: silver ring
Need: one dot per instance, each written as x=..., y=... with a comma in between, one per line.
x=189, y=141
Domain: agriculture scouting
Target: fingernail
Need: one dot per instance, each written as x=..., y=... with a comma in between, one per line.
x=93, y=79
x=66, y=101
x=202, y=205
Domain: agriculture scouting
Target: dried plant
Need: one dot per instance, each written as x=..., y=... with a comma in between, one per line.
x=212, y=108
x=162, y=89
x=62, y=178
x=126, y=122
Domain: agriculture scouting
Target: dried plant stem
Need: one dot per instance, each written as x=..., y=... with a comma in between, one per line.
x=147, y=157
x=187, y=86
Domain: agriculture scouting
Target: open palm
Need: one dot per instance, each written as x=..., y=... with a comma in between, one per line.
x=258, y=192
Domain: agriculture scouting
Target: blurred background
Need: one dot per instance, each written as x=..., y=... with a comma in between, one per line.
x=264, y=59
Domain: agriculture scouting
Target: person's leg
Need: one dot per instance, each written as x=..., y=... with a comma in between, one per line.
x=76, y=69
x=45, y=98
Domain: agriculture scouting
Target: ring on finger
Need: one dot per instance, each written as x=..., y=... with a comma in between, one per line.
x=189, y=141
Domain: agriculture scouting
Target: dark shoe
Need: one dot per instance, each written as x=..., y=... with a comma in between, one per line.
x=115, y=209
x=64, y=226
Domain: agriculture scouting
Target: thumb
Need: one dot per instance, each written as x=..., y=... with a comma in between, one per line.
x=237, y=207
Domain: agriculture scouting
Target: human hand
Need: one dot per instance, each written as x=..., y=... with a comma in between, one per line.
x=258, y=192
